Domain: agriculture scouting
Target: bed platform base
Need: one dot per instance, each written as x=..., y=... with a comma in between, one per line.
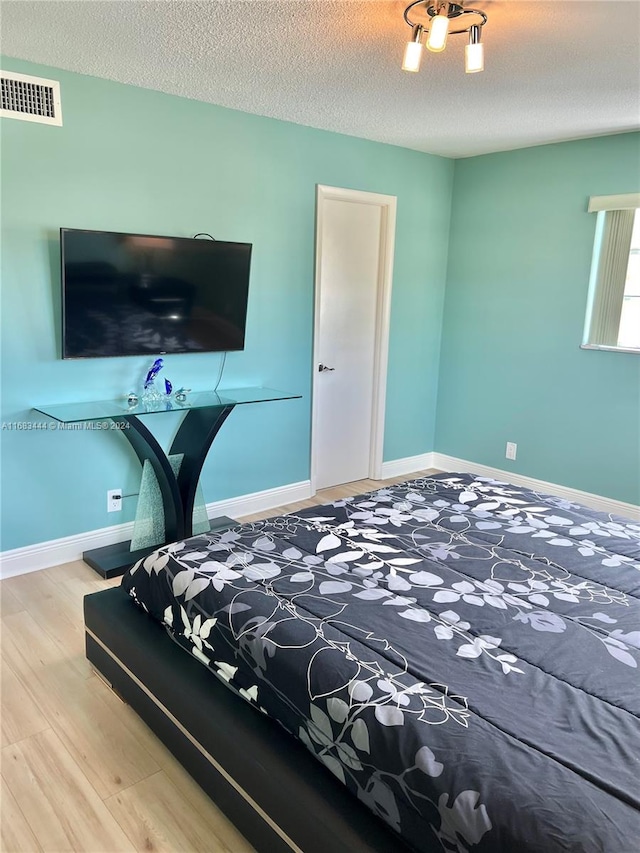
x=267, y=784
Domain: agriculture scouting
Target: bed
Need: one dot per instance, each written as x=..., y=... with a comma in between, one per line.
x=446, y=664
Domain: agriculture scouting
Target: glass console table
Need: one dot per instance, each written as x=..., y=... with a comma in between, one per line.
x=204, y=414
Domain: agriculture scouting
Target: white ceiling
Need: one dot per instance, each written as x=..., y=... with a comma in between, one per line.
x=554, y=70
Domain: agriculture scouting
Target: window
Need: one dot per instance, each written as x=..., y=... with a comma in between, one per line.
x=629, y=331
x=613, y=312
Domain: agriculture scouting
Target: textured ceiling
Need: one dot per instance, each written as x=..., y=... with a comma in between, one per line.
x=554, y=70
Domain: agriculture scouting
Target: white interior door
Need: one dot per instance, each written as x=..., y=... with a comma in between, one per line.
x=352, y=244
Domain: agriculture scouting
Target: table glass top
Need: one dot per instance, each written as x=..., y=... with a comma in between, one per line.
x=102, y=409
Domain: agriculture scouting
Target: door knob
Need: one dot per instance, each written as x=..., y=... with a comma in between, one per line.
x=323, y=367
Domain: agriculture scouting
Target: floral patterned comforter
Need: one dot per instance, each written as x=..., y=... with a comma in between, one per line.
x=461, y=653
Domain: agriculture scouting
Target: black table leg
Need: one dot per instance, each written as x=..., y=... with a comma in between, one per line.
x=195, y=435
x=193, y=440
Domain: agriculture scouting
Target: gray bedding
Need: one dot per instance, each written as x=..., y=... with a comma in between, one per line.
x=461, y=653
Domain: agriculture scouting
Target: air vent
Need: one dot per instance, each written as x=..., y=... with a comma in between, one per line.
x=30, y=98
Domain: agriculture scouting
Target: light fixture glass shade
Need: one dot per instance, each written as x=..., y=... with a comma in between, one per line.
x=438, y=31
x=413, y=50
x=474, y=58
x=412, y=56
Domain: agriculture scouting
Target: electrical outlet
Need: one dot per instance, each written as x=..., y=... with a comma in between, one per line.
x=114, y=500
x=512, y=449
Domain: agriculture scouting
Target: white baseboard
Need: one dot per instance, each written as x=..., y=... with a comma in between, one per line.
x=408, y=465
x=261, y=501
x=43, y=555
x=604, y=504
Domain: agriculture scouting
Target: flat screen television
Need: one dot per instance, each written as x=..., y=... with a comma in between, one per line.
x=139, y=294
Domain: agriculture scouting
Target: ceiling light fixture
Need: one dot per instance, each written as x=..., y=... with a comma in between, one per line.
x=441, y=19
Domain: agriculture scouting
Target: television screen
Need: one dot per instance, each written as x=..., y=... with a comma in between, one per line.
x=137, y=294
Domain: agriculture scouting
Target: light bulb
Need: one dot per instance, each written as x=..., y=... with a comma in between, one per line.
x=474, y=51
x=413, y=50
x=474, y=58
x=412, y=56
x=438, y=30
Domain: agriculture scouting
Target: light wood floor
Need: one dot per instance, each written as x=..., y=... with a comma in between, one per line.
x=79, y=770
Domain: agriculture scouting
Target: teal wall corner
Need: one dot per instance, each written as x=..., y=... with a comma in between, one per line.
x=491, y=274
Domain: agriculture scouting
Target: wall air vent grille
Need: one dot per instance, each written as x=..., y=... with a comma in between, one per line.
x=30, y=98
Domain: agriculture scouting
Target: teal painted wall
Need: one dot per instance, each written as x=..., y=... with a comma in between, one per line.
x=511, y=368
x=129, y=159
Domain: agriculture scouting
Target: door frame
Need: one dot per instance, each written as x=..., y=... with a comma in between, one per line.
x=388, y=205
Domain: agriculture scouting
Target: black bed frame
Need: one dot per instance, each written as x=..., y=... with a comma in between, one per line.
x=266, y=782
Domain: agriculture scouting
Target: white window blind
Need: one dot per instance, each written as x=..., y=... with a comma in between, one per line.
x=612, y=311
